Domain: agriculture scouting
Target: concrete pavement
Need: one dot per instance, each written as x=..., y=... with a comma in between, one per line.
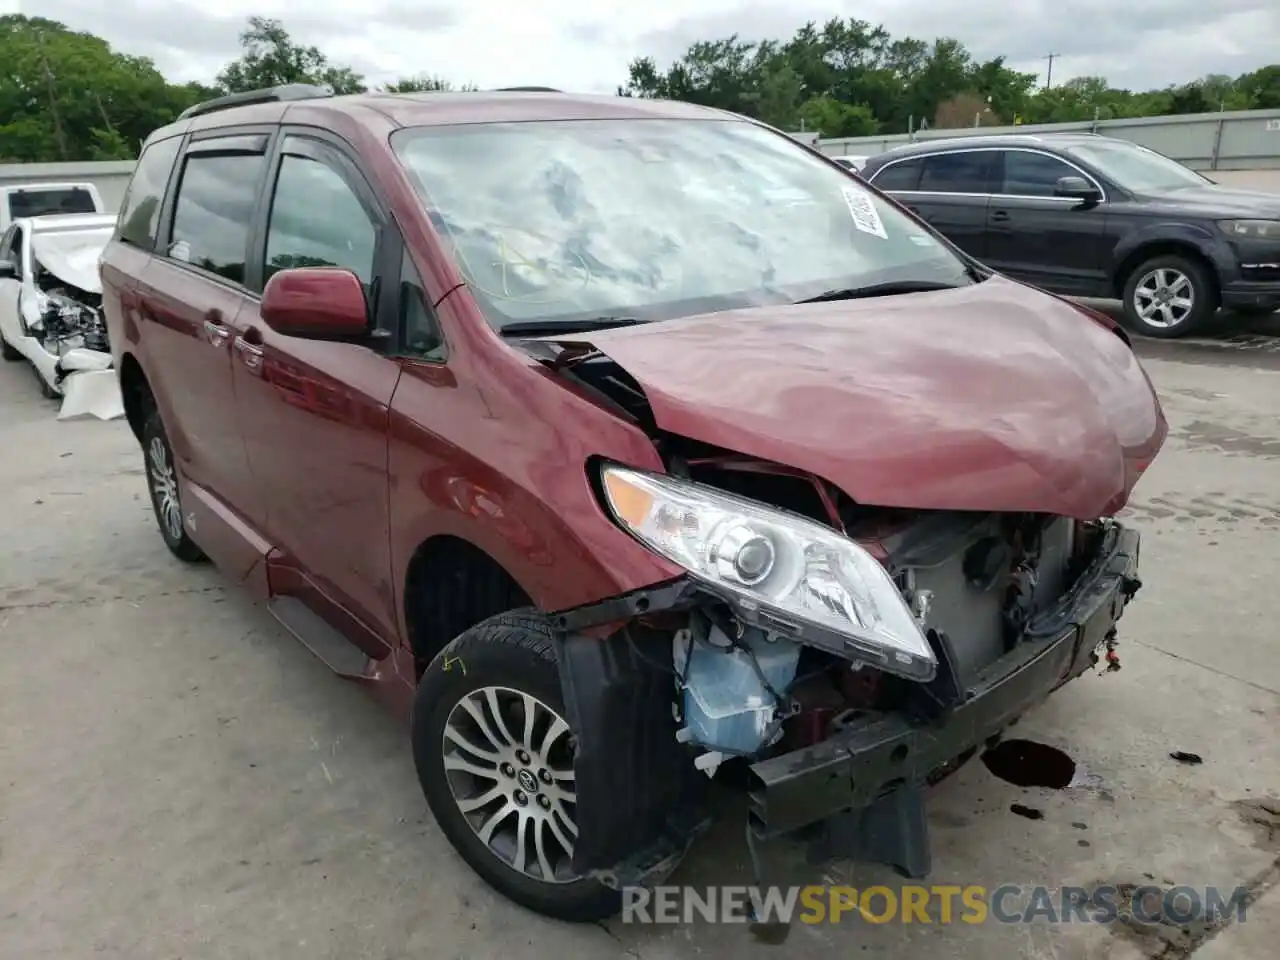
x=179, y=778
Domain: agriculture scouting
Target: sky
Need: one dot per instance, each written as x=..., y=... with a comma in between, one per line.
x=586, y=46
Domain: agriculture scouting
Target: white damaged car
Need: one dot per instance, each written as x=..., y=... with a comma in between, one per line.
x=51, y=309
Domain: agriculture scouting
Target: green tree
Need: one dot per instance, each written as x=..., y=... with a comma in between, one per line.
x=66, y=95
x=832, y=118
x=271, y=58
x=424, y=83
x=848, y=75
x=1262, y=87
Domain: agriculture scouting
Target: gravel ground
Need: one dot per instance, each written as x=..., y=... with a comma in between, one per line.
x=180, y=779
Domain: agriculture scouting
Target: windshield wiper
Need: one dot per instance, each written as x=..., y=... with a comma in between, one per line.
x=538, y=328
x=887, y=289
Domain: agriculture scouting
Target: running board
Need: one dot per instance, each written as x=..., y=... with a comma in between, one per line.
x=313, y=632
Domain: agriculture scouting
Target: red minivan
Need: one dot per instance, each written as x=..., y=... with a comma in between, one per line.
x=627, y=445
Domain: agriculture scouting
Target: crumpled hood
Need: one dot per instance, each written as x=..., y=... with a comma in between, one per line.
x=989, y=397
x=72, y=256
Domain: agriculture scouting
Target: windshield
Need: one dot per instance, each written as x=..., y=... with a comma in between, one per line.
x=1136, y=168
x=653, y=219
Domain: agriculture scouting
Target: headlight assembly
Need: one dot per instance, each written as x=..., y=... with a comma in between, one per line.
x=1252, y=229
x=783, y=572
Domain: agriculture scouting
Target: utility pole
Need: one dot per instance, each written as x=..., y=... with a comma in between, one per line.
x=1048, y=78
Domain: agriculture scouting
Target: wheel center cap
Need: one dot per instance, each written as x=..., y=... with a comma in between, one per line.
x=528, y=782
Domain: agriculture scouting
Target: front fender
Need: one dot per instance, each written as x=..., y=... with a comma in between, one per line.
x=506, y=470
x=1203, y=239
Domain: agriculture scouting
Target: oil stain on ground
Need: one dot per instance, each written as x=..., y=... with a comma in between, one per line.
x=1025, y=763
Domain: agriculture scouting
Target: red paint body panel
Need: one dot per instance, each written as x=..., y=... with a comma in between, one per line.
x=314, y=416
x=493, y=449
x=989, y=397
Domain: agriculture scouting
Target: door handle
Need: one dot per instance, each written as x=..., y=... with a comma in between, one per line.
x=250, y=354
x=1000, y=216
x=216, y=330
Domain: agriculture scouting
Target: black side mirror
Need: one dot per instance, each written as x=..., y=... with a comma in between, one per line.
x=8, y=270
x=1077, y=188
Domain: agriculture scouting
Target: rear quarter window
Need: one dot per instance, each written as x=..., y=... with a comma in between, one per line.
x=140, y=212
x=903, y=175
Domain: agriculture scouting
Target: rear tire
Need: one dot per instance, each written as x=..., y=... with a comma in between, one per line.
x=46, y=391
x=494, y=755
x=162, y=484
x=7, y=352
x=1170, y=296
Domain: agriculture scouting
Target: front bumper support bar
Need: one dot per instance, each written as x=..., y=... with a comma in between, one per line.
x=866, y=782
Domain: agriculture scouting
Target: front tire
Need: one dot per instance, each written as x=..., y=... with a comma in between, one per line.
x=1170, y=296
x=494, y=755
x=162, y=482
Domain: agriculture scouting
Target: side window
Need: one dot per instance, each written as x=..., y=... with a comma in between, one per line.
x=420, y=330
x=318, y=221
x=1033, y=174
x=213, y=211
x=903, y=175
x=959, y=172
x=139, y=218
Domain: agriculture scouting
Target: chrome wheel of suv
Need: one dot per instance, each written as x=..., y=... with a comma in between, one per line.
x=164, y=489
x=1164, y=297
x=508, y=758
x=166, y=498
x=495, y=757
x=1170, y=296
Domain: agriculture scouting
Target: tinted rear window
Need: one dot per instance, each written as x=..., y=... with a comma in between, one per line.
x=140, y=212
x=39, y=203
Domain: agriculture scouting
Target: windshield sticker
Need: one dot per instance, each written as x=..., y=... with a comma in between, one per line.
x=864, y=213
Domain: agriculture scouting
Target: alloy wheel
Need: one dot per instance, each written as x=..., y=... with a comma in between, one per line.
x=1164, y=297
x=164, y=488
x=508, y=759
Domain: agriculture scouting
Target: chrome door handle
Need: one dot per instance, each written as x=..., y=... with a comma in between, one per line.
x=216, y=333
x=250, y=354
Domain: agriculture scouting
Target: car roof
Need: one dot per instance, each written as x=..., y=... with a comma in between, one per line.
x=1041, y=140
x=437, y=109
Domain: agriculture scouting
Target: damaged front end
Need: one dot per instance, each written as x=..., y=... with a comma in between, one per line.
x=954, y=625
x=63, y=314
x=834, y=657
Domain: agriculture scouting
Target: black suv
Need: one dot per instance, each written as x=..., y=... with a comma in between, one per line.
x=1093, y=216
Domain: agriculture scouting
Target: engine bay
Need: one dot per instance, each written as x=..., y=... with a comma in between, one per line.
x=65, y=317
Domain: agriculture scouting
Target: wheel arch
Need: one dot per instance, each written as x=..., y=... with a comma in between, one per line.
x=450, y=585
x=1167, y=246
x=136, y=392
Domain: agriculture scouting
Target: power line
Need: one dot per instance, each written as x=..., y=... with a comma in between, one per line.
x=1048, y=79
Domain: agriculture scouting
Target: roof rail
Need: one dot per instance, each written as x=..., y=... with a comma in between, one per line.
x=286, y=91
x=527, y=90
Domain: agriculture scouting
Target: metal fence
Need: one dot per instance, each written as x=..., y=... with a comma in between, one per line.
x=1237, y=140
x=1232, y=140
